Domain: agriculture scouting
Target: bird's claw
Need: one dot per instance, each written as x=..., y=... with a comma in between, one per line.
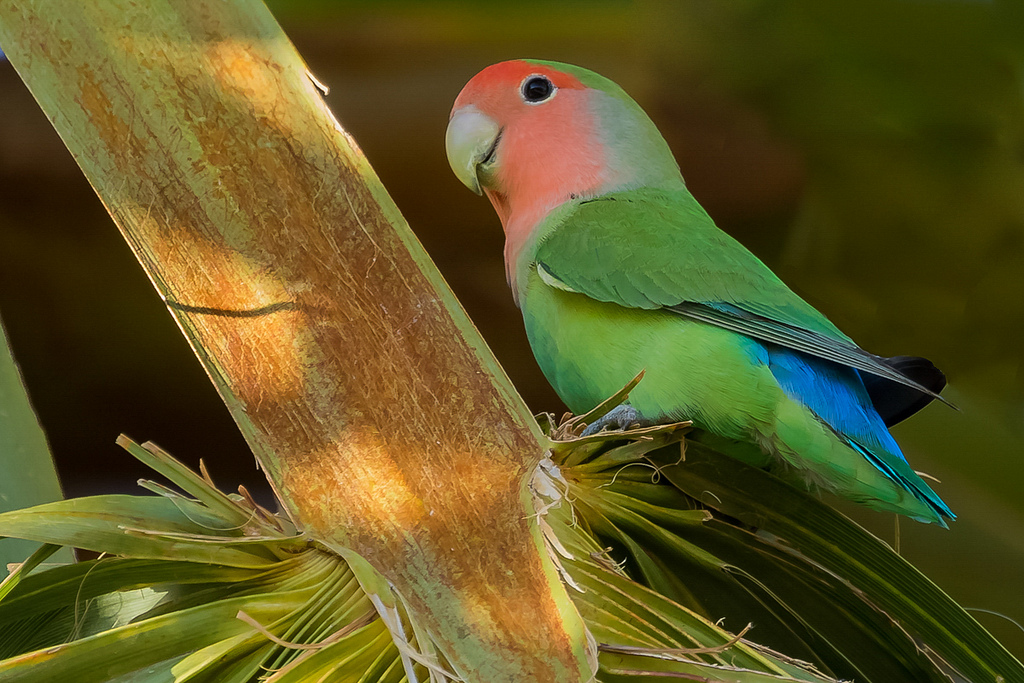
x=620, y=418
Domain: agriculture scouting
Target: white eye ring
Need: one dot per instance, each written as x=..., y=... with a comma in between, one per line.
x=537, y=97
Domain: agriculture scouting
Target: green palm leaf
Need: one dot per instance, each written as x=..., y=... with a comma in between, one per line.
x=210, y=587
x=194, y=595
x=27, y=473
x=731, y=541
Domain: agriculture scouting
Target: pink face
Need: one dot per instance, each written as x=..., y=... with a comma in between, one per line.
x=548, y=149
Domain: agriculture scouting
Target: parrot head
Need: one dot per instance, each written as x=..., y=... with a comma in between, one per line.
x=532, y=135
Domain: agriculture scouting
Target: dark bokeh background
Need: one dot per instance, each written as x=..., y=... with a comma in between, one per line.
x=872, y=153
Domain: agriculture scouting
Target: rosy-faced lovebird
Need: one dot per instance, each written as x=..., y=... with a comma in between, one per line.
x=618, y=269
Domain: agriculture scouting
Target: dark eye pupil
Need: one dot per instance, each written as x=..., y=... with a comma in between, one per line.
x=537, y=89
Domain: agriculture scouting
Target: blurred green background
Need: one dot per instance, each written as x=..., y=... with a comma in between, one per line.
x=872, y=153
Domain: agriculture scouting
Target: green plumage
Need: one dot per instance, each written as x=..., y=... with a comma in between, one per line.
x=598, y=281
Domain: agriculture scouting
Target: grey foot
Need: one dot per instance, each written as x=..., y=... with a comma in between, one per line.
x=620, y=418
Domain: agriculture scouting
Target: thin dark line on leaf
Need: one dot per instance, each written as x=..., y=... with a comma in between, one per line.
x=232, y=313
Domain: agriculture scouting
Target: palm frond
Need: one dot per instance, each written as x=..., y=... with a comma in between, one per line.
x=209, y=587
x=659, y=538
x=734, y=543
x=202, y=588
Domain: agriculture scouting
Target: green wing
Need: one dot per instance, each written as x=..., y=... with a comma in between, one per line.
x=659, y=249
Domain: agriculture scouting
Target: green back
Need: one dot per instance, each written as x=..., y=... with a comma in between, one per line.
x=650, y=248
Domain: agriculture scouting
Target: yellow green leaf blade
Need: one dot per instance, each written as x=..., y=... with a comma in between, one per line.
x=27, y=473
x=298, y=603
x=116, y=524
x=367, y=652
x=140, y=645
x=49, y=607
x=191, y=483
x=22, y=570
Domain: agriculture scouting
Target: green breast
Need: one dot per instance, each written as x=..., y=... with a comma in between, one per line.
x=588, y=350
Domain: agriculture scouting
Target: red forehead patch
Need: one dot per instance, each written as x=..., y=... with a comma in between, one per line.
x=508, y=75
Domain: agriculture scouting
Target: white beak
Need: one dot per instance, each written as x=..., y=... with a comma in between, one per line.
x=469, y=142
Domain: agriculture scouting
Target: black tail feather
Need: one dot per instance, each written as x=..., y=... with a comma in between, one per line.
x=896, y=402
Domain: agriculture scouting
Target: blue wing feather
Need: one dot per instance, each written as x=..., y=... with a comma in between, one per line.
x=836, y=394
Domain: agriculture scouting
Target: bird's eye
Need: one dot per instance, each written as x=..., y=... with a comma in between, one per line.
x=536, y=89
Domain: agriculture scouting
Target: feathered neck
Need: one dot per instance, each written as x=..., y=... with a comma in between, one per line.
x=603, y=143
